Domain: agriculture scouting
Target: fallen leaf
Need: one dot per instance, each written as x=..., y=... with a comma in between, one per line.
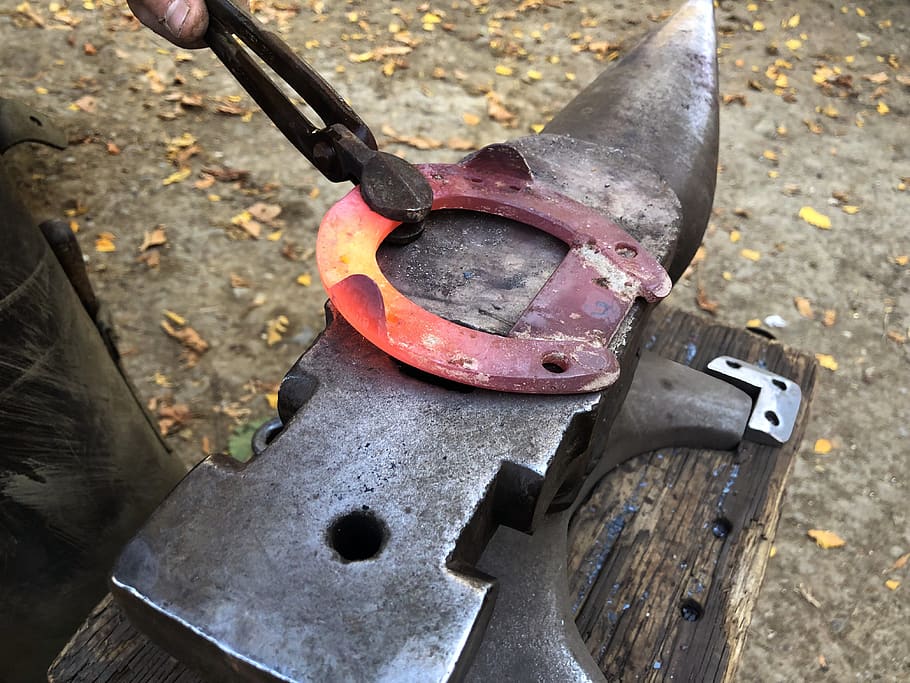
x=902, y=260
x=275, y=329
x=704, y=303
x=175, y=318
x=244, y=220
x=899, y=563
x=804, y=306
x=849, y=209
x=267, y=213
x=896, y=337
x=272, y=399
x=814, y=218
x=239, y=282
x=305, y=279
x=497, y=111
x=172, y=418
x=177, y=176
x=105, y=243
x=154, y=238
x=750, y=254
x=882, y=108
x=504, y=70
x=193, y=344
x=826, y=539
x=823, y=446
x=86, y=103
x=827, y=361
x=877, y=78
x=415, y=141
x=829, y=318
x=892, y=584
x=822, y=662
x=470, y=119
x=224, y=174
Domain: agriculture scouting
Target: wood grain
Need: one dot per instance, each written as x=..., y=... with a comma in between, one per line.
x=669, y=533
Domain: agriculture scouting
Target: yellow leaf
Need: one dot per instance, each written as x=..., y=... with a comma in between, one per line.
x=827, y=361
x=828, y=111
x=274, y=236
x=275, y=328
x=823, y=446
x=74, y=226
x=537, y=127
x=882, y=108
x=750, y=254
x=773, y=551
x=272, y=400
x=822, y=74
x=826, y=539
x=177, y=176
x=727, y=275
x=814, y=218
x=212, y=197
x=470, y=119
x=754, y=322
x=860, y=11
x=794, y=44
x=849, y=209
x=430, y=18
x=306, y=279
x=40, y=90
x=570, y=76
x=735, y=236
x=174, y=317
x=781, y=81
x=758, y=26
x=769, y=155
x=804, y=306
x=902, y=260
x=534, y=75
x=105, y=244
x=892, y=584
x=793, y=21
x=504, y=70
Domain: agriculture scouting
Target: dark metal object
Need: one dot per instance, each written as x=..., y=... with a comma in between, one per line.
x=532, y=633
x=777, y=398
x=345, y=148
x=20, y=123
x=253, y=573
x=560, y=344
x=81, y=465
x=62, y=241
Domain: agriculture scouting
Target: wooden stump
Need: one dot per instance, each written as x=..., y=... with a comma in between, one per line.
x=667, y=554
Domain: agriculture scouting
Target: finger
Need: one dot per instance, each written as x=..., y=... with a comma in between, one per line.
x=183, y=22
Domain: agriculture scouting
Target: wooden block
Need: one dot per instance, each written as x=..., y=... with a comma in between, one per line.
x=668, y=552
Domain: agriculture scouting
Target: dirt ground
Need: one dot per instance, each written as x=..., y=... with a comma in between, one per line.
x=174, y=181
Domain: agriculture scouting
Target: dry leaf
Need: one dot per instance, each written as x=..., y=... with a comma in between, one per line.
x=750, y=254
x=177, y=176
x=877, y=78
x=892, y=584
x=814, y=218
x=173, y=418
x=86, y=103
x=193, y=344
x=497, y=111
x=224, y=174
x=826, y=539
x=896, y=337
x=244, y=220
x=275, y=329
x=155, y=238
x=704, y=303
x=415, y=141
x=112, y=149
x=305, y=279
x=272, y=399
x=823, y=446
x=175, y=318
x=899, y=563
x=807, y=596
x=827, y=361
x=266, y=213
x=804, y=306
x=829, y=318
x=470, y=119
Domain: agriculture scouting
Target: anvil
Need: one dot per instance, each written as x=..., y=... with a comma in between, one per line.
x=348, y=548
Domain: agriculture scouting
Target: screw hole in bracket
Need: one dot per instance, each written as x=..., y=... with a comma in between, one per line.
x=357, y=536
x=772, y=417
x=779, y=384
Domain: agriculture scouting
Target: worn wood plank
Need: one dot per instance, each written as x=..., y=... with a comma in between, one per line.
x=668, y=530
x=683, y=531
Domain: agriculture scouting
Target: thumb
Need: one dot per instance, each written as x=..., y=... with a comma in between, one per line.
x=183, y=22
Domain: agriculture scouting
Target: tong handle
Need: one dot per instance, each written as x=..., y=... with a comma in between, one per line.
x=227, y=24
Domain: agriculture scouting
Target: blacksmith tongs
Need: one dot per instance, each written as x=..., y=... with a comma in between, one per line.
x=345, y=148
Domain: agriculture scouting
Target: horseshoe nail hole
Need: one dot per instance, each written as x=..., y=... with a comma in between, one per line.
x=475, y=180
x=626, y=250
x=357, y=536
x=515, y=188
x=721, y=527
x=555, y=363
x=733, y=364
x=35, y=120
x=779, y=384
x=772, y=417
x=691, y=610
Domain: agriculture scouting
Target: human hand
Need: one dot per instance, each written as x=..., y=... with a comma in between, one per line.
x=183, y=22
